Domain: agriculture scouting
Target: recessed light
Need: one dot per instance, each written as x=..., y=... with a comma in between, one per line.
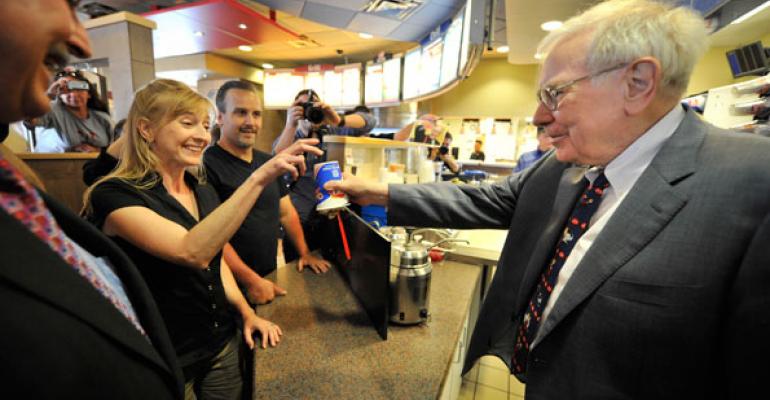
x=242, y=26
x=538, y=56
x=204, y=76
x=364, y=35
x=551, y=25
x=245, y=48
x=502, y=49
x=267, y=66
x=198, y=33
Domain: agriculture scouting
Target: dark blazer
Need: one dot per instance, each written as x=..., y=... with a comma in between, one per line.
x=673, y=298
x=61, y=338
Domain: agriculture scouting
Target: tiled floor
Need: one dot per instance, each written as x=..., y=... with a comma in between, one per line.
x=490, y=380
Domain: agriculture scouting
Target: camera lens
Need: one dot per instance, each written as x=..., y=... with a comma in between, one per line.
x=312, y=113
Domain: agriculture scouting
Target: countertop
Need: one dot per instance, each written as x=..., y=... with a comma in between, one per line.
x=484, y=246
x=331, y=351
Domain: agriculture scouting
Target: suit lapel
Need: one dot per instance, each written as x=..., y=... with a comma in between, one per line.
x=649, y=206
x=39, y=270
x=570, y=187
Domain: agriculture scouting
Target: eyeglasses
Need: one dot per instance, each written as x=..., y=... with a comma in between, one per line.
x=550, y=96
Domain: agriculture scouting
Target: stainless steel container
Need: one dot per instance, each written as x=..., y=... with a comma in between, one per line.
x=410, y=283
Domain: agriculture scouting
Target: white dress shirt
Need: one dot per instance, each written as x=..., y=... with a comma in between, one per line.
x=622, y=173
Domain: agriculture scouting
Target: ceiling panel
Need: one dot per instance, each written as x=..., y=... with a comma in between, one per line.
x=353, y=5
x=372, y=24
x=293, y=7
x=332, y=16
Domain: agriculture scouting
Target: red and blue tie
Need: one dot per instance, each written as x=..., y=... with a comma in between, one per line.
x=577, y=224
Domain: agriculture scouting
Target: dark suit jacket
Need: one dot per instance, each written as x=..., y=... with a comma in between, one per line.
x=61, y=338
x=673, y=298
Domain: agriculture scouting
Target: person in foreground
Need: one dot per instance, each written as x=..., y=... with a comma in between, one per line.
x=636, y=262
x=157, y=207
x=78, y=321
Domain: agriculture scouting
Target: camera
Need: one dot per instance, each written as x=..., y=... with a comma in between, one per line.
x=443, y=150
x=77, y=85
x=312, y=112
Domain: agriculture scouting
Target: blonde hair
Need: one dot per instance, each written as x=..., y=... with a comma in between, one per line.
x=624, y=30
x=159, y=102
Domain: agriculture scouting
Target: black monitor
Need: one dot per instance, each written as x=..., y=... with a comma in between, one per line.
x=748, y=60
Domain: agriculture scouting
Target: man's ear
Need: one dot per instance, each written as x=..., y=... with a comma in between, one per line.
x=145, y=129
x=641, y=84
x=220, y=118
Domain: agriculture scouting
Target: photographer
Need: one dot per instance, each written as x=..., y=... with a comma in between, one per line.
x=310, y=117
x=443, y=154
x=80, y=119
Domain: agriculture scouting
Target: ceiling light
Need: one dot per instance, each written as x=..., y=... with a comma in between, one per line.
x=751, y=13
x=242, y=26
x=245, y=48
x=551, y=25
x=204, y=76
x=198, y=33
x=363, y=35
x=267, y=66
x=538, y=56
x=502, y=49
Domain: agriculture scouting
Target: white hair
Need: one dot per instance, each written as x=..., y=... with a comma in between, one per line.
x=624, y=30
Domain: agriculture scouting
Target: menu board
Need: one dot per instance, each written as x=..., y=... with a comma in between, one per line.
x=391, y=80
x=373, y=86
x=412, y=75
x=430, y=67
x=382, y=82
x=450, y=58
x=338, y=86
x=332, y=93
x=465, y=15
x=281, y=86
x=351, y=84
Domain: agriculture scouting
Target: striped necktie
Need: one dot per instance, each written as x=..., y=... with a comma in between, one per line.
x=577, y=224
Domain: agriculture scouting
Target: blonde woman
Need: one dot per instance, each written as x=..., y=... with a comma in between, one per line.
x=157, y=207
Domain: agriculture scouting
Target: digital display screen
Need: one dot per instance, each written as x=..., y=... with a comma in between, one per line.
x=333, y=88
x=450, y=59
x=373, y=84
x=411, y=88
x=281, y=86
x=351, y=84
x=391, y=80
x=430, y=76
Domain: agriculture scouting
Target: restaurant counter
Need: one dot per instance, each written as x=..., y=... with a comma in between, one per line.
x=331, y=350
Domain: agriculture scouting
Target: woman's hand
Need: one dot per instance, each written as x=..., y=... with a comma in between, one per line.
x=290, y=160
x=270, y=332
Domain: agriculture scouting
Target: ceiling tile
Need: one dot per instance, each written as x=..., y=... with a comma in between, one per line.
x=372, y=24
x=304, y=26
x=352, y=5
x=332, y=16
x=410, y=32
x=293, y=7
x=430, y=14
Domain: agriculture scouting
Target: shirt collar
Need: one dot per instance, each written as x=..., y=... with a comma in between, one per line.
x=623, y=171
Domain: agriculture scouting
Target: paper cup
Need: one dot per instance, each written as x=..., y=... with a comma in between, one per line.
x=326, y=201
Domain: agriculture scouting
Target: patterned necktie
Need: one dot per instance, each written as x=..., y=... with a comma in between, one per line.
x=26, y=205
x=577, y=224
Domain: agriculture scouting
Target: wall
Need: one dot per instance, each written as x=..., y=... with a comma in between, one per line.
x=494, y=89
x=713, y=71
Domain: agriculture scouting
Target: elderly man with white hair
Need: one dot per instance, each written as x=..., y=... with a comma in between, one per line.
x=637, y=261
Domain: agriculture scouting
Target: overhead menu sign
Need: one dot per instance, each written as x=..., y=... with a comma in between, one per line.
x=338, y=86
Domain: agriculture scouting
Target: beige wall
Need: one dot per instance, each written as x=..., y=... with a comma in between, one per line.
x=713, y=71
x=494, y=89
